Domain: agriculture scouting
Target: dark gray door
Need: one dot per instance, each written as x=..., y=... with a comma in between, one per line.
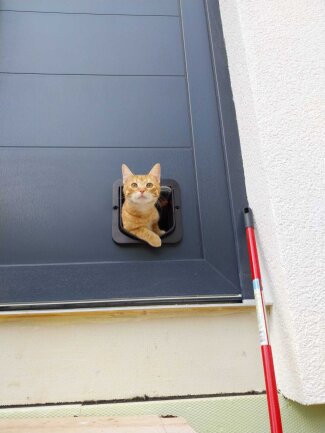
x=86, y=85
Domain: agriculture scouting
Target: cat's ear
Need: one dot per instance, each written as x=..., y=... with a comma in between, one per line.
x=126, y=172
x=155, y=171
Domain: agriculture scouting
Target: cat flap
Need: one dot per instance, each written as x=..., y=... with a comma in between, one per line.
x=169, y=208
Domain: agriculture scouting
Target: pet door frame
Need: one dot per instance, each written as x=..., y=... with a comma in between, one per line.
x=122, y=237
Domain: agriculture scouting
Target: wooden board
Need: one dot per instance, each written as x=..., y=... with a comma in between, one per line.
x=139, y=424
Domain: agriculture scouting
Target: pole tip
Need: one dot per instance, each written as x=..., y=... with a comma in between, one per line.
x=248, y=217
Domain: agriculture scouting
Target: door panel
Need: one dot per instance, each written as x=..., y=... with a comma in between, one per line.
x=84, y=87
x=127, y=7
x=96, y=109
x=57, y=205
x=50, y=43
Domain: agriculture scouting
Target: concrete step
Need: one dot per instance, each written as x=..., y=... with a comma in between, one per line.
x=135, y=424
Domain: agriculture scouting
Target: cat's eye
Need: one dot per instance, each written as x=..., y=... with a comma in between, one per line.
x=134, y=185
x=149, y=185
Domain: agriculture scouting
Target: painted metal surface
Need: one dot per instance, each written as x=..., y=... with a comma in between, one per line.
x=117, y=7
x=95, y=110
x=84, y=91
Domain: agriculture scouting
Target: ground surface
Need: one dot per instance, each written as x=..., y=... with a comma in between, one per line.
x=140, y=424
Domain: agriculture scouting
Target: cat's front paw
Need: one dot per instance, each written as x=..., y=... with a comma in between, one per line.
x=154, y=241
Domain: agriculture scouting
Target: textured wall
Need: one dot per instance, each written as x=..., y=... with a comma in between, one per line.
x=276, y=58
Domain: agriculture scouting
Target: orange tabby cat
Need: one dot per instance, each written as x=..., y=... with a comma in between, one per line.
x=139, y=213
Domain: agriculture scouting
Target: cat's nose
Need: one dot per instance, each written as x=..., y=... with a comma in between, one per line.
x=142, y=190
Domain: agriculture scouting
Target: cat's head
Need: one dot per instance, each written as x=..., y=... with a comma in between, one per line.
x=141, y=189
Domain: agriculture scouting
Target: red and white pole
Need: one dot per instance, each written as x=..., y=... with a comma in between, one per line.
x=269, y=374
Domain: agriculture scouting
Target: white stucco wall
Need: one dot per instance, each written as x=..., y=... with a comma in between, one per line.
x=276, y=54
